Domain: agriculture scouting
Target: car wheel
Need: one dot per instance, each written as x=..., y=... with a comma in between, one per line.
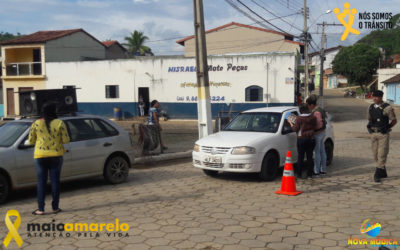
x=329, y=152
x=116, y=170
x=210, y=172
x=4, y=188
x=269, y=167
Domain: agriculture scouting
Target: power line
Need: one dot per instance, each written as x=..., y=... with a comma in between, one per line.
x=236, y=27
x=262, y=18
x=273, y=14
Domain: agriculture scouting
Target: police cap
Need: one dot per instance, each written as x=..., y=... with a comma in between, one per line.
x=377, y=93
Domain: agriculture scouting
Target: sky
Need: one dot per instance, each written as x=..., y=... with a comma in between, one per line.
x=166, y=21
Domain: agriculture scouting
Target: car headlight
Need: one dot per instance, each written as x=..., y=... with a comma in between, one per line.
x=243, y=150
x=196, y=148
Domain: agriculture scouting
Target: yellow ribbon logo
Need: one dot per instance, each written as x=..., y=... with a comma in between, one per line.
x=12, y=228
x=349, y=25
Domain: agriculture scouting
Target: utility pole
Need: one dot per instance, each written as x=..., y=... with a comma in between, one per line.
x=322, y=56
x=305, y=30
x=321, y=61
x=203, y=91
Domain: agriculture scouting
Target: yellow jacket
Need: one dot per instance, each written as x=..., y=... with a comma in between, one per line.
x=48, y=144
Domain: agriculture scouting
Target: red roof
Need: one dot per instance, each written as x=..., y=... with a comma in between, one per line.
x=109, y=43
x=44, y=36
x=112, y=42
x=182, y=41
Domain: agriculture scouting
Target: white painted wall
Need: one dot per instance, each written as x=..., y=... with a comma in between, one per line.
x=383, y=75
x=152, y=72
x=315, y=60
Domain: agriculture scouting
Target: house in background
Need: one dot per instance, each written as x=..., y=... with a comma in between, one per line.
x=393, y=89
x=1, y=94
x=114, y=50
x=330, y=80
x=24, y=59
x=240, y=38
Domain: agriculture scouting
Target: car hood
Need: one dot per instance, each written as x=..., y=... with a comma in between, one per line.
x=233, y=139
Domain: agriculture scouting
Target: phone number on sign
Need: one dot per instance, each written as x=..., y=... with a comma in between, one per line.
x=194, y=98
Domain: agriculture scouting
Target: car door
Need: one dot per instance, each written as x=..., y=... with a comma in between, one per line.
x=289, y=137
x=25, y=162
x=89, y=146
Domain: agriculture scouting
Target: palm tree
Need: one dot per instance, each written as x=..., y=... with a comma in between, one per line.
x=136, y=44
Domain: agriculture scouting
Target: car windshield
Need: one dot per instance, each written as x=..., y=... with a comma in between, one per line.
x=10, y=132
x=256, y=122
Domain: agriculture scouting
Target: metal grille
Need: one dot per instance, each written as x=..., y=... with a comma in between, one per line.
x=236, y=165
x=216, y=150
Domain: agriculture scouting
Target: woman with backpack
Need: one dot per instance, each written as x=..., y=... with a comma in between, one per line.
x=319, y=135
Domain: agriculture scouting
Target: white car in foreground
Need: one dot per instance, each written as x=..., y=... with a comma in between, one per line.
x=255, y=141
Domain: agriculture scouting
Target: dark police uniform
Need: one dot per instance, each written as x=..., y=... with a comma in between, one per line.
x=379, y=117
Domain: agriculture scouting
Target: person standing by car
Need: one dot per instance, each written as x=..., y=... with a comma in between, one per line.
x=320, y=153
x=154, y=119
x=48, y=134
x=304, y=126
x=381, y=119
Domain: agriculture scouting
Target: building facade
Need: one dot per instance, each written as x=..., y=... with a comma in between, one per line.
x=240, y=38
x=330, y=80
x=24, y=60
x=237, y=82
x=393, y=89
x=383, y=75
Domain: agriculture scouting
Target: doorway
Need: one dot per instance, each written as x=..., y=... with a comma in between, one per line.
x=10, y=102
x=143, y=94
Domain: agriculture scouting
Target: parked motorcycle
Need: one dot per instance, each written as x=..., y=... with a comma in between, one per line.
x=349, y=93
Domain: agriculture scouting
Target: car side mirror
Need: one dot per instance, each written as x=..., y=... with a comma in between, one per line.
x=25, y=145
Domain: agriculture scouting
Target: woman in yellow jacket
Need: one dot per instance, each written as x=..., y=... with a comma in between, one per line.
x=48, y=134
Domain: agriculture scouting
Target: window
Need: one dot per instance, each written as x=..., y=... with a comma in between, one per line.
x=80, y=130
x=254, y=94
x=87, y=129
x=107, y=128
x=112, y=91
x=255, y=122
x=10, y=132
x=286, y=125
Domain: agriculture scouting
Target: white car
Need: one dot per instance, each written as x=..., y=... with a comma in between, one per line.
x=255, y=141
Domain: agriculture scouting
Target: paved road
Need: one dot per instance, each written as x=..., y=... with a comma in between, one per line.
x=174, y=206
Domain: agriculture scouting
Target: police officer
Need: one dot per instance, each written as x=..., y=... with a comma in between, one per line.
x=381, y=119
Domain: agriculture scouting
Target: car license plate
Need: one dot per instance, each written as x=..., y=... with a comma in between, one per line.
x=213, y=159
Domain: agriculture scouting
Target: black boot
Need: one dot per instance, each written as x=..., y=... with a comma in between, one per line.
x=377, y=175
x=383, y=173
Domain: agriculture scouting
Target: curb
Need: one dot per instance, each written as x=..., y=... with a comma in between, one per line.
x=163, y=157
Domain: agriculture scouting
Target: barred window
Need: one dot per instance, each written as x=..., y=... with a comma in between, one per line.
x=112, y=91
x=254, y=94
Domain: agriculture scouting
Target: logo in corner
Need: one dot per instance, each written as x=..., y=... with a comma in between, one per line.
x=348, y=25
x=370, y=230
x=12, y=228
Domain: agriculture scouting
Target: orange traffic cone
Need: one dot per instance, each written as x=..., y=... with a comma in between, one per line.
x=288, y=186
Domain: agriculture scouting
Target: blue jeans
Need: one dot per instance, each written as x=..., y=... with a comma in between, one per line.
x=320, y=154
x=43, y=166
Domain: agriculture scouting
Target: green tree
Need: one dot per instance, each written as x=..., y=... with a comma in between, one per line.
x=358, y=63
x=135, y=43
x=4, y=36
